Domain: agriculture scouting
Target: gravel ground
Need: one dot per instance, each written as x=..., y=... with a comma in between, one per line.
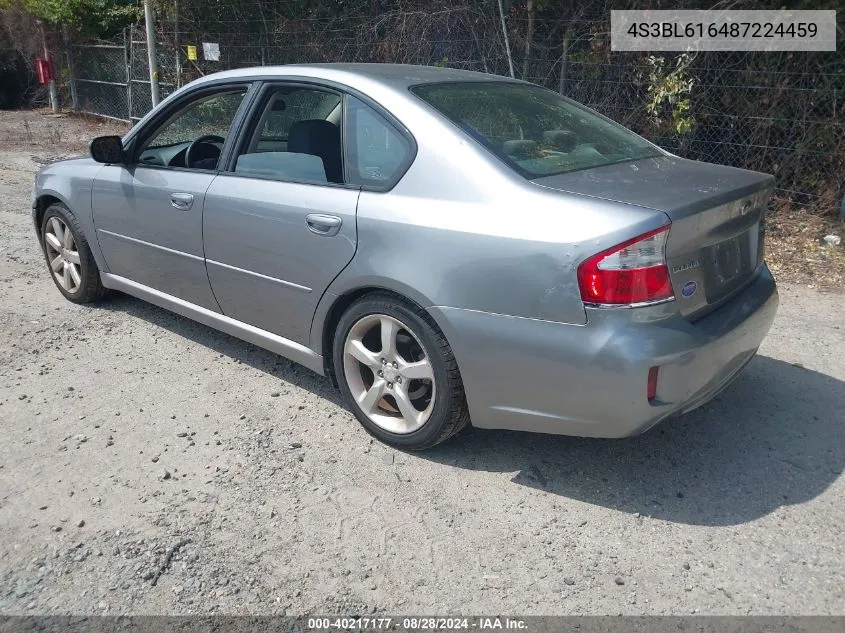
x=151, y=465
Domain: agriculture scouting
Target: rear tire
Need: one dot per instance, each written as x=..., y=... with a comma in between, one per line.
x=398, y=374
x=69, y=259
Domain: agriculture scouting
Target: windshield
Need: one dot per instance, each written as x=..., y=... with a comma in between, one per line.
x=535, y=131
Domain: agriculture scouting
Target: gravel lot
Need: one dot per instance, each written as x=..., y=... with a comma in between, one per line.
x=152, y=465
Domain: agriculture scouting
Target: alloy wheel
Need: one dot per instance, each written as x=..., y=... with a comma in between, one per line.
x=62, y=255
x=389, y=374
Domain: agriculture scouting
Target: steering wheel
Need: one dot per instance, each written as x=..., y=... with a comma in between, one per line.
x=208, y=139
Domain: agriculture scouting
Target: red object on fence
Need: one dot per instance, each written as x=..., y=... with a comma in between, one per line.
x=44, y=70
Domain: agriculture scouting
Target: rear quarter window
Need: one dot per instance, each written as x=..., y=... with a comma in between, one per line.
x=376, y=151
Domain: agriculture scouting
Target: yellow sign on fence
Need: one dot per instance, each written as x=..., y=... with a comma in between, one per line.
x=192, y=53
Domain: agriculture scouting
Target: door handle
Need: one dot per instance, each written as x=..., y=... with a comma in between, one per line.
x=181, y=201
x=325, y=225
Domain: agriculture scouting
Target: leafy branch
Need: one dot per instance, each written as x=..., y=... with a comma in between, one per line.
x=670, y=88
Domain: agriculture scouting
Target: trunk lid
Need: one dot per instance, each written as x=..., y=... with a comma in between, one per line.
x=715, y=245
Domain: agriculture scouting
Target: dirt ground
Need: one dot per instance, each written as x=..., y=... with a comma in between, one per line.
x=151, y=465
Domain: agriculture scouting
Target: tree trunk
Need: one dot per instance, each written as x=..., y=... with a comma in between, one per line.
x=507, y=41
x=564, y=62
x=478, y=48
x=531, y=7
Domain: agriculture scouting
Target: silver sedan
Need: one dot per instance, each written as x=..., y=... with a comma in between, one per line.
x=447, y=246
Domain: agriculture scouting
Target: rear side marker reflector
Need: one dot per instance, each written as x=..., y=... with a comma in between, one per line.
x=651, y=386
x=632, y=272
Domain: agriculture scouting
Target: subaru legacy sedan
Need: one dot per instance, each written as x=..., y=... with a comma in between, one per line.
x=448, y=247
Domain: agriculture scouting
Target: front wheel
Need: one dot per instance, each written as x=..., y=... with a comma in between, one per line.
x=69, y=257
x=398, y=373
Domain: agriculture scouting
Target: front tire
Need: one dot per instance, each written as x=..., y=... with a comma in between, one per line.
x=398, y=373
x=69, y=258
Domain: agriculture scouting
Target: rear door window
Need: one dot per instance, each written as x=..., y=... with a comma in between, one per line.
x=297, y=137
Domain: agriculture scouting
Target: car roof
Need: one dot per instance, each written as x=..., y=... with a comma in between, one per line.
x=395, y=76
x=381, y=82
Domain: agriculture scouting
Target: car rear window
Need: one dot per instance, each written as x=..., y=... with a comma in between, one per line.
x=535, y=131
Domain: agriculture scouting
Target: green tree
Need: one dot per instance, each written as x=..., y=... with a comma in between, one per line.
x=94, y=18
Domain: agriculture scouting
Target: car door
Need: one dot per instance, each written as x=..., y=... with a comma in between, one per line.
x=279, y=223
x=148, y=212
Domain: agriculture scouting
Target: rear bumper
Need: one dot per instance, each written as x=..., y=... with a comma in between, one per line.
x=590, y=380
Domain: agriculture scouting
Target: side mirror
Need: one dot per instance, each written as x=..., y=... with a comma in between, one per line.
x=108, y=149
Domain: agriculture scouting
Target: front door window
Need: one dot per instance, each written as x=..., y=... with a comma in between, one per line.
x=193, y=137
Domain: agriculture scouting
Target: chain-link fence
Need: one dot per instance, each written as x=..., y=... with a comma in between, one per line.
x=139, y=74
x=112, y=79
x=99, y=84
x=776, y=112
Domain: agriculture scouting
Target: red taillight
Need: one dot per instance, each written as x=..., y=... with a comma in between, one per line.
x=631, y=272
